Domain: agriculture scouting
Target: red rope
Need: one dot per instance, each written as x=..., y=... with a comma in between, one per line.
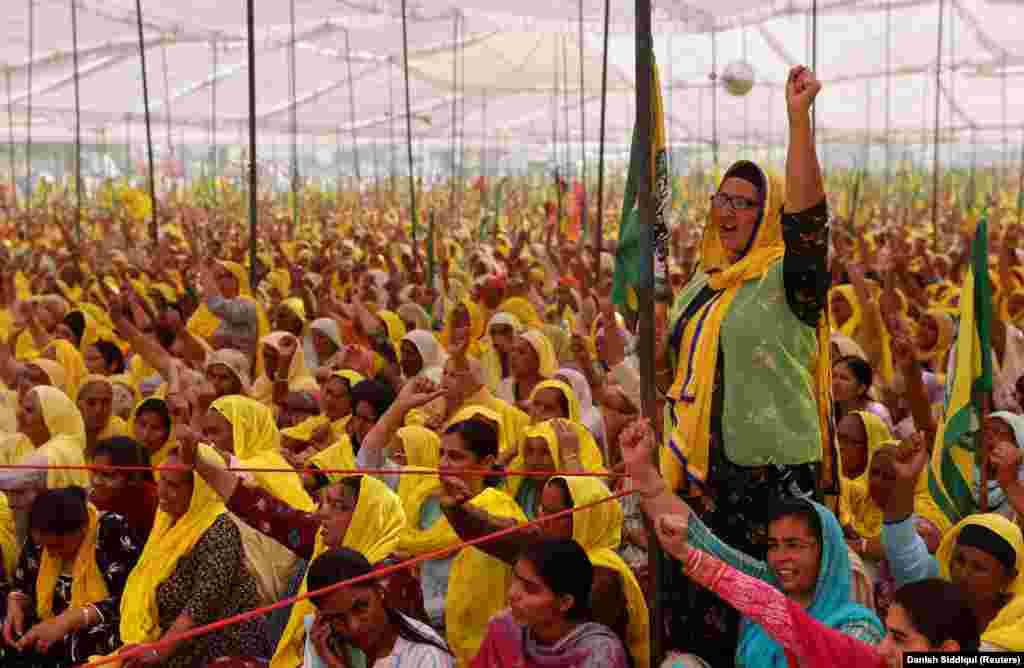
x=357, y=471
x=376, y=575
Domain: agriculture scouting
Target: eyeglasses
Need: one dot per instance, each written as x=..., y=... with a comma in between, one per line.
x=737, y=202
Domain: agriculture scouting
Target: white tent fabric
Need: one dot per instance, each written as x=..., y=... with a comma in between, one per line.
x=518, y=66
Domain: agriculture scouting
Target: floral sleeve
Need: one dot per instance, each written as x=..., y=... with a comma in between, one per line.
x=117, y=552
x=292, y=528
x=805, y=266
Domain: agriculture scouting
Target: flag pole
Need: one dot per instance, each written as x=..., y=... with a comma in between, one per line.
x=648, y=394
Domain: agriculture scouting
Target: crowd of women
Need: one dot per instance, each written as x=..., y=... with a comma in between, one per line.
x=180, y=446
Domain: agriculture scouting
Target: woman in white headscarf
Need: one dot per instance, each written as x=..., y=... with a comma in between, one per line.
x=321, y=343
x=590, y=415
x=422, y=356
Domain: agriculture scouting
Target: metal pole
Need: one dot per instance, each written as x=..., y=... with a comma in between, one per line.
x=213, y=124
x=250, y=10
x=78, y=127
x=583, y=129
x=153, y=225
x=888, y=111
x=352, y=105
x=599, y=226
x=10, y=141
x=814, y=62
x=293, y=120
x=28, y=119
x=935, y=158
x=455, y=85
x=408, y=118
x=644, y=115
x=714, y=98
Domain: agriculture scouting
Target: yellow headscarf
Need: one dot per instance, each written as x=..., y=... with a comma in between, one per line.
x=203, y=324
x=590, y=454
x=87, y=583
x=296, y=306
x=476, y=327
x=422, y=451
x=53, y=370
x=851, y=327
x=477, y=582
x=299, y=377
x=865, y=515
x=523, y=311
x=946, y=332
x=66, y=446
x=9, y=548
x=169, y=541
x=396, y=328
x=1007, y=629
x=115, y=426
x=160, y=456
x=701, y=336
x=257, y=444
x=373, y=532
x=73, y=364
x=598, y=530
x=541, y=345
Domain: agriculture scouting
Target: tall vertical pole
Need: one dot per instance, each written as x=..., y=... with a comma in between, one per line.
x=455, y=85
x=714, y=99
x=151, y=178
x=935, y=154
x=888, y=113
x=408, y=118
x=599, y=226
x=213, y=124
x=583, y=127
x=645, y=120
x=352, y=105
x=10, y=142
x=28, y=118
x=250, y=11
x=814, y=62
x=78, y=127
x=293, y=120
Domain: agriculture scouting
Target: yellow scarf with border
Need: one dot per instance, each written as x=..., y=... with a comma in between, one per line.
x=87, y=583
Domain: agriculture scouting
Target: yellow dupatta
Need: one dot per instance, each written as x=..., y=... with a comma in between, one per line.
x=692, y=432
x=10, y=550
x=851, y=327
x=477, y=582
x=169, y=541
x=591, y=458
x=257, y=444
x=395, y=327
x=477, y=323
x=73, y=364
x=541, y=344
x=299, y=377
x=598, y=530
x=422, y=451
x=1007, y=629
x=946, y=332
x=865, y=516
x=523, y=311
x=66, y=446
x=373, y=532
x=87, y=583
x=160, y=456
x=203, y=324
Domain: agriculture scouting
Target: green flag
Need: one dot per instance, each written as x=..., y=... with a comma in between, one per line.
x=631, y=259
x=955, y=456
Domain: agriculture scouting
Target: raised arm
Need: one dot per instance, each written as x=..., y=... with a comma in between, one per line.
x=804, y=186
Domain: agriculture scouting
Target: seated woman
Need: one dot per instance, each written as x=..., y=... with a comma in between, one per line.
x=153, y=427
x=852, y=380
x=66, y=601
x=618, y=601
x=130, y=494
x=926, y=616
x=356, y=624
x=316, y=434
x=549, y=620
x=807, y=556
x=983, y=554
x=96, y=403
x=285, y=370
x=192, y=572
x=358, y=512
